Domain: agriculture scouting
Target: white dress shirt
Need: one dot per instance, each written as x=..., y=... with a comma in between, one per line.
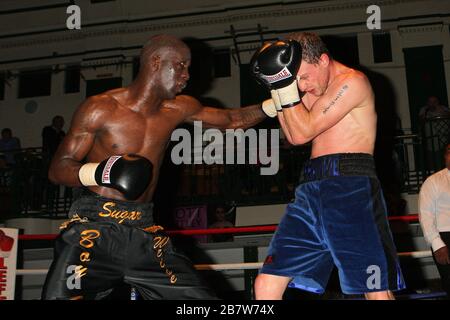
x=434, y=207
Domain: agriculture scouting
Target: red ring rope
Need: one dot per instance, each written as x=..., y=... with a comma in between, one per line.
x=268, y=228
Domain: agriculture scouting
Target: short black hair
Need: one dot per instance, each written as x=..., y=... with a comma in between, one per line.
x=157, y=42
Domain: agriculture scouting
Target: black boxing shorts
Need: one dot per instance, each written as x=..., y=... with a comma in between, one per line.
x=107, y=242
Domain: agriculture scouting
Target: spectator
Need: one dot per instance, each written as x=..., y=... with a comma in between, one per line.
x=435, y=127
x=434, y=216
x=52, y=136
x=433, y=108
x=9, y=145
x=221, y=221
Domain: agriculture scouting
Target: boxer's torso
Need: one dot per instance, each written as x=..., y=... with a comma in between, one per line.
x=126, y=131
x=355, y=133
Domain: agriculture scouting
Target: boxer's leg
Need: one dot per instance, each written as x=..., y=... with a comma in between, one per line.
x=87, y=262
x=359, y=237
x=158, y=271
x=298, y=256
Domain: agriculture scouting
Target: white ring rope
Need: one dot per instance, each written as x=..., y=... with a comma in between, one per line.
x=231, y=266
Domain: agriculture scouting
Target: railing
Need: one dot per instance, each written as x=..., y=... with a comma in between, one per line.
x=435, y=133
x=407, y=156
x=242, y=184
x=25, y=189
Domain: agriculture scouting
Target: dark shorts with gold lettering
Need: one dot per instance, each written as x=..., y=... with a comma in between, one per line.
x=108, y=242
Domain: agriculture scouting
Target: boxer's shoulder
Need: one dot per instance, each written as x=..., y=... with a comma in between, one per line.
x=95, y=111
x=186, y=105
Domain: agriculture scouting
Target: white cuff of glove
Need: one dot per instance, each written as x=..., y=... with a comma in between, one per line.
x=289, y=95
x=276, y=100
x=268, y=107
x=87, y=174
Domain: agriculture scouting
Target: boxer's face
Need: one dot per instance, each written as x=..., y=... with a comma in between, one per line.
x=174, y=68
x=313, y=77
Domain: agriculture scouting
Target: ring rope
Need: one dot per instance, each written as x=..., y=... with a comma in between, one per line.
x=232, y=266
x=223, y=266
x=268, y=228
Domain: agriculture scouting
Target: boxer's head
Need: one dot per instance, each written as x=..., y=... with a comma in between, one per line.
x=313, y=75
x=165, y=60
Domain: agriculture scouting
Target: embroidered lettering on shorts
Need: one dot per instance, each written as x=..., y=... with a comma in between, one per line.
x=159, y=242
x=75, y=218
x=119, y=215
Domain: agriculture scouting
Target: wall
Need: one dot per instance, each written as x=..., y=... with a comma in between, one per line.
x=34, y=35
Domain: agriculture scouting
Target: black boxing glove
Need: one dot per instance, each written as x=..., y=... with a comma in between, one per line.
x=130, y=174
x=275, y=65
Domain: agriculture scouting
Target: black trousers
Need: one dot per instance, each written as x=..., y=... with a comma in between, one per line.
x=108, y=242
x=444, y=270
x=91, y=258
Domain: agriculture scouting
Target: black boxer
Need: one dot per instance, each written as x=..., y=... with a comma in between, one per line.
x=115, y=147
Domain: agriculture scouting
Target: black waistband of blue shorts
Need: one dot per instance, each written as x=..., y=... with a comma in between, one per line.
x=338, y=165
x=95, y=207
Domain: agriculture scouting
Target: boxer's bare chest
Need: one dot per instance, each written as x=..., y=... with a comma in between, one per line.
x=127, y=131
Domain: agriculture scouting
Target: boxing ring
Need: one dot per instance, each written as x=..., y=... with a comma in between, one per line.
x=257, y=230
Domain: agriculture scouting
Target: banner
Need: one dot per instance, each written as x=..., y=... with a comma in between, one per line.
x=8, y=262
x=193, y=217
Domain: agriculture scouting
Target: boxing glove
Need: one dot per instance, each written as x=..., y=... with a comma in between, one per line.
x=6, y=242
x=130, y=174
x=275, y=65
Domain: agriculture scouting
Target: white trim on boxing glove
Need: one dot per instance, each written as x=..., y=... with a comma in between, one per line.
x=268, y=107
x=289, y=95
x=276, y=100
x=87, y=174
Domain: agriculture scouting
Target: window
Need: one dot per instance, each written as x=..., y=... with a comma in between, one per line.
x=97, y=86
x=343, y=48
x=72, y=79
x=222, y=63
x=382, y=51
x=35, y=83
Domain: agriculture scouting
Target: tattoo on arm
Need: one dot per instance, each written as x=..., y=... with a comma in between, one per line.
x=338, y=95
x=250, y=116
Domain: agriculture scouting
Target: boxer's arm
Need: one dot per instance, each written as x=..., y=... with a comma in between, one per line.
x=77, y=143
x=283, y=125
x=347, y=93
x=224, y=118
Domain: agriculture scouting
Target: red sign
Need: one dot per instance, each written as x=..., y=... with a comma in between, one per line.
x=8, y=251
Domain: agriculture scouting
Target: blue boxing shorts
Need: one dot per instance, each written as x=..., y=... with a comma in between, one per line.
x=338, y=218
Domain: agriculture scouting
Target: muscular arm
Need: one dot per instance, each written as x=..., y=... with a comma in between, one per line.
x=76, y=145
x=303, y=125
x=224, y=118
